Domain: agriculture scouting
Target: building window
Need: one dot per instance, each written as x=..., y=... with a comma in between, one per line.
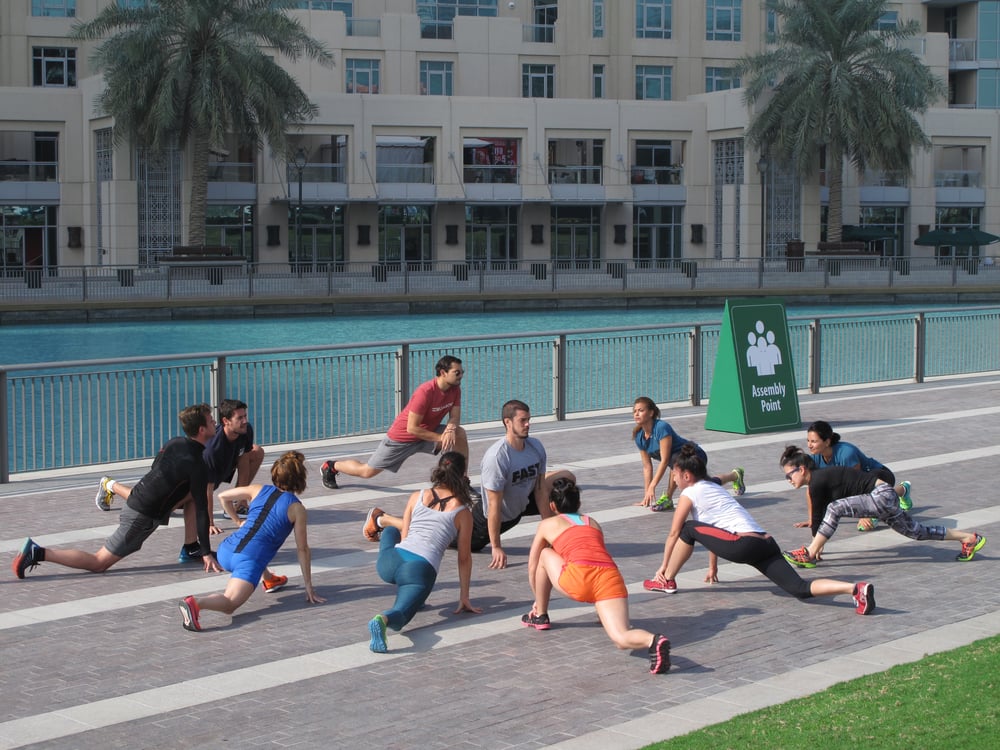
x=892, y=219
x=576, y=236
x=436, y=78
x=320, y=239
x=344, y=6
x=653, y=19
x=598, y=81
x=538, y=81
x=724, y=20
x=657, y=162
x=545, y=15
x=770, y=24
x=404, y=158
x=232, y=227
x=437, y=16
x=135, y=3
x=405, y=236
x=988, y=89
x=598, y=11
x=988, y=35
x=954, y=218
x=656, y=235
x=362, y=76
x=53, y=66
x=490, y=160
x=54, y=8
x=491, y=236
x=887, y=21
x=652, y=82
x=720, y=79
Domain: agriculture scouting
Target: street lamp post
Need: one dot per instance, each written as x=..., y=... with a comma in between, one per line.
x=300, y=165
x=762, y=168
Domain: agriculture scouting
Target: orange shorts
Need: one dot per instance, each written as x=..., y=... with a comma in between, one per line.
x=592, y=583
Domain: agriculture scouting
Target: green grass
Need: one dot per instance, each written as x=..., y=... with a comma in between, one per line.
x=948, y=700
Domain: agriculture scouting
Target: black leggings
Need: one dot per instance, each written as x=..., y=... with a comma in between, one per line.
x=761, y=552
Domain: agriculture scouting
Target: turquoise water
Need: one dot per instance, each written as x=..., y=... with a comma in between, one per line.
x=74, y=341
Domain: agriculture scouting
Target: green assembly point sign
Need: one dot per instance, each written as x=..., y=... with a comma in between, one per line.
x=753, y=386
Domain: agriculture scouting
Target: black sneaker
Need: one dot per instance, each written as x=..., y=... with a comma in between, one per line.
x=659, y=655
x=329, y=475
x=27, y=558
x=538, y=622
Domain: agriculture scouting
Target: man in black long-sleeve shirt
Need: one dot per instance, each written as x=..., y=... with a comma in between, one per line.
x=177, y=478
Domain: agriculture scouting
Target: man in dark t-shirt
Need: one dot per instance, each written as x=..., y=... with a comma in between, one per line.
x=177, y=478
x=231, y=452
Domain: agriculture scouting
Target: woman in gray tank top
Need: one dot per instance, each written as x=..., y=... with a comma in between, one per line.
x=411, y=547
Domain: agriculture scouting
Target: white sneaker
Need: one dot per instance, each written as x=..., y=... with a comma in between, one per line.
x=104, y=495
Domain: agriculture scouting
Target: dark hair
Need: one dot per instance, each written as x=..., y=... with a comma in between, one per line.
x=288, y=473
x=444, y=364
x=566, y=495
x=689, y=460
x=649, y=404
x=511, y=408
x=825, y=431
x=229, y=406
x=450, y=473
x=795, y=456
x=194, y=417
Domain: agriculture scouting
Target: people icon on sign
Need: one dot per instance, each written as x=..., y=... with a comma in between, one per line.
x=762, y=354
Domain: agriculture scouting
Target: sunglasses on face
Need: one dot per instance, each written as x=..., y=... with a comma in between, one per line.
x=792, y=473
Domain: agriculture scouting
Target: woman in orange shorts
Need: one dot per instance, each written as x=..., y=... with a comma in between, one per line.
x=568, y=553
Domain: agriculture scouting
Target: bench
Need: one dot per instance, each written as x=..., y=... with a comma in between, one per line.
x=212, y=257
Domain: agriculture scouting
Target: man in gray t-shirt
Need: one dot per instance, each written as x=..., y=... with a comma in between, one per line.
x=514, y=482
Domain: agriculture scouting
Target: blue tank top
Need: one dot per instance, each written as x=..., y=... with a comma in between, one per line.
x=273, y=529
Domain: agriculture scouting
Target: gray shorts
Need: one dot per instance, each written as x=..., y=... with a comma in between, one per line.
x=391, y=454
x=133, y=529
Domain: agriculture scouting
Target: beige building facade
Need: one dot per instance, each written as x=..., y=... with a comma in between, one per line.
x=577, y=131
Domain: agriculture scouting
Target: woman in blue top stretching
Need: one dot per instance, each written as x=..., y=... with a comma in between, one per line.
x=274, y=514
x=828, y=449
x=411, y=547
x=656, y=440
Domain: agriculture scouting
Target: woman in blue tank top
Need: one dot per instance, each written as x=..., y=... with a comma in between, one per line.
x=274, y=514
x=411, y=547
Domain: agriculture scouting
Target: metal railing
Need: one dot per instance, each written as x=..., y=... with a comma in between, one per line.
x=70, y=413
x=325, y=279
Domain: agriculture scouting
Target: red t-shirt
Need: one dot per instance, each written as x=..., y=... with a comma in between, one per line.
x=430, y=402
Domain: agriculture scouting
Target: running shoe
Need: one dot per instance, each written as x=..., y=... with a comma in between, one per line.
x=969, y=549
x=659, y=654
x=667, y=587
x=190, y=612
x=376, y=627
x=863, y=524
x=30, y=555
x=739, y=486
x=906, y=502
x=864, y=598
x=275, y=584
x=664, y=503
x=104, y=496
x=192, y=554
x=329, y=475
x=372, y=530
x=800, y=557
x=538, y=622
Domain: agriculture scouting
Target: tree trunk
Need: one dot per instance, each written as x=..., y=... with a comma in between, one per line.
x=199, y=188
x=835, y=183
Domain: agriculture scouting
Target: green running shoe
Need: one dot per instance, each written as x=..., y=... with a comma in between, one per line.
x=906, y=502
x=664, y=503
x=969, y=549
x=739, y=486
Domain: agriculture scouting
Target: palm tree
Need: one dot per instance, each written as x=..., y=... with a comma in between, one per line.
x=843, y=85
x=191, y=72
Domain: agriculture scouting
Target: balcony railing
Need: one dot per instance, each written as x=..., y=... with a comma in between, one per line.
x=231, y=171
x=413, y=173
x=657, y=175
x=572, y=175
x=29, y=171
x=958, y=178
x=491, y=174
x=961, y=50
x=884, y=178
x=364, y=27
x=315, y=173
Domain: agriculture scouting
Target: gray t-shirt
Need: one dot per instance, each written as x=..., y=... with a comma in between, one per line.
x=513, y=473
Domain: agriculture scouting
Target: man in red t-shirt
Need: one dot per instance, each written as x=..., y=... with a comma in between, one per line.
x=417, y=429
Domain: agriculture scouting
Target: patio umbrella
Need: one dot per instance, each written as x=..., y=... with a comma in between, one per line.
x=964, y=237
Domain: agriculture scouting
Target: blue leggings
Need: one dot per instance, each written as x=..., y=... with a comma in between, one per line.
x=413, y=575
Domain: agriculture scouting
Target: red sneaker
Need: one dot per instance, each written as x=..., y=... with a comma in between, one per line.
x=669, y=587
x=190, y=612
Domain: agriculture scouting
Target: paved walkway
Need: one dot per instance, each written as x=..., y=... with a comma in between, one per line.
x=99, y=661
